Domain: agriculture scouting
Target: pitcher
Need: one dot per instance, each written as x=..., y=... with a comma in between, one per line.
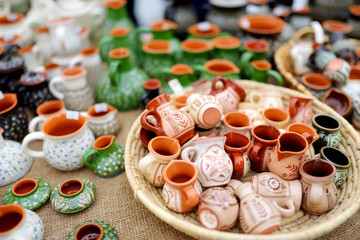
x=300, y=110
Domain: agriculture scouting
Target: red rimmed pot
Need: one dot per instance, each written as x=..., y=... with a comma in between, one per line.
x=316, y=83
x=255, y=49
x=11, y=23
x=339, y=101
x=220, y=67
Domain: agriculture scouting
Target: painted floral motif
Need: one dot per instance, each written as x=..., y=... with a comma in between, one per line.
x=79, y=100
x=15, y=124
x=109, y=232
x=32, y=201
x=112, y=165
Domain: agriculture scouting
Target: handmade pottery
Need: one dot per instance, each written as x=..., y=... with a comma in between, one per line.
x=170, y=121
x=219, y=67
x=266, y=99
x=289, y=153
x=202, y=86
x=257, y=215
x=218, y=208
x=229, y=95
x=20, y=223
x=319, y=190
x=300, y=110
x=228, y=48
x=196, y=52
x=161, y=151
x=333, y=27
x=181, y=192
x=107, y=158
x=214, y=165
x=328, y=128
x=32, y=56
x=286, y=196
x=250, y=110
x=12, y=25
x=316, y=83
x=204, y=30
x=237, y=122
x=30, y=193
x=340, y=160
x=15, y=163
x=261, y=72
x=52, y=70
x=339, y=101
x=237, y=145
x=264, y=141
x=276, y=117
x=300, y=54
x=184, y=73
x=59, y=134
x=73, y=195
x=320, y=58
x=356, y=114
x=92, y=229
x=45, y=111
x=352, y=83
x=308, y=133
x=11, y=39
x=300, y=17
x=110, y=88
x=77, y=95
x=152, y=88
x=338, y=71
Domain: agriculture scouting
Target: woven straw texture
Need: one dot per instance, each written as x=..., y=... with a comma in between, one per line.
x=301, y=226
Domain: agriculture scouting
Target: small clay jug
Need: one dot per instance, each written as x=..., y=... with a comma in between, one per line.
x=184, y=73
x=300, y=110
x=152, y=90
x=204, y=30
x=308, y=133
x=237, y=122
x=219, y=67
x=228, y=48
x=339, y=101
x=261, y=72
x=276, y=117
x=196, y=52
x=328, y=129
x=316, y=83
x=91, y=230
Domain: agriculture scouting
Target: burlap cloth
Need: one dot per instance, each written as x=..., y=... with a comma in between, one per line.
x=115, y=203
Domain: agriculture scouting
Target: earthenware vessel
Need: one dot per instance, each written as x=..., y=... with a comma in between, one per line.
x=214, y=165
x=30, y=193
x=334, y=28
x=320, y=57
x=20, y=223
x=257, y=215
x=196, y=52
x=161, y=151
x=52, y=70
x=237, y=122
x=276, y=117
x=15, y=163
x=338, y=71
x=289, y=153
x=92, y=229
x=319, y=190
x=59, y=134
x=264, y=141
x=316, y=83
x=73, y=195
x=170, y=121
x=77, y=94
x=339, y=101
x=354, y=21
x=106, y=157
x=250, y=110
x=219, y=208
x=285, y=195
x=261, y=72
x=32, y=56
x=219, y=67
x=12, y=26
x=237, y=145
x=45, y=111
x=204, y=30
x=108, y=88
x=340, y=160
x=300, y=17
x=184, y=73
x=152, y=88
x=228, y=48
x=300, y=110
x=344, y=49
x=352, y=83
x=42, y=38
x=11, y=39
x=229, y=95
x=181, y=192
x=14, y=121
x=266, y=99
x=328, y=128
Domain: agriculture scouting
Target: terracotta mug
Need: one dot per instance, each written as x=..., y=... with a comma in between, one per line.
x=308, y=133
x=300, y=110
x=276, y=117
x=229, y=95
x=161, y=150
x=237, y=122
x=45, y=111
x=264, y=140
x=319, y=190
x=237, y=145
x=181, y=191
x=170, y=121
x=285, y=195
x=261, y=72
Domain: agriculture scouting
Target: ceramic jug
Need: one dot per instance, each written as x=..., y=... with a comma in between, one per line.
x=237, y=122
x=328, y=128
x=219, y=67
x=196, y=52
x=12, y=25
x=77, y=95
x=184, y=73
x=255, y=49
x=107, y=157
x=300, y=110
x=110, y=88
x=92, y=229
x=227, y=47
x=261, y=72
x=66, y=139
x=41, y=11
x=45, y=111
x=152, y=88
x=214, y=165
x=156, y=57
x=276, y=117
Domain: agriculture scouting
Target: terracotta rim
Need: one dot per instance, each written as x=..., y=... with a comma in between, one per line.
x=257, y=2
x=303, y=172
x=180, y=101
x=10, y=101
x=282, y=116
x=337, y=26
x=184, y=164
x=88, y=51
x=309, y=80
x=44, y=74
x=50, y=107
x=196, y=45
x=226, y=42
x=236, y=148
x=304, y=10
x=25, y=49
x=119, y=32
x=73, y=72
x=163, y=25
x=69, y=181
x=119, y=53
x=158, y=143
x=261, y=24
x=304, y=143
x=14, y=208
x=15, y=39
x=258, y=138
x=93, y=114
x=152, y=84
x=4, y=19
x=237, y=116
x=261, y=65
x=256, y=45
x=355, y=10
x=60, y=20
x=157, y=47
x=181, y=69
x=21, y=182
x=221, y=67
x=354, y=73
x=338, y=93
x=51, y=66
x=212, y=32
x=40, y=30
x=115, y=4
x=290, y=128
x=103, y=142
x=89, y=225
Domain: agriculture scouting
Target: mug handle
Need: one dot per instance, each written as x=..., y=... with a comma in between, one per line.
x=215, y=91
x=286, y=212
x=145, y=123
x=34, y=123
x=77, y=61
x=86, y=157
x=145, y=162
x=53, y=90
x=185, y=153
x=276, y=75
x=29, y=138
x=192, y=196
x=104, y=50
x=239, y=163
x=113, y=70
x=253, y=155
x=243, y=64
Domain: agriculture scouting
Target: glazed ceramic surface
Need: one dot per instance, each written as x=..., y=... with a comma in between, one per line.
x=276, y=117
x=73, y=195
x=339, y=101
x=227, y=47
x=204, y=30
x=196, y=52
x=338, y=71
x=261, y=71
x=316, y=83
x=93, y=229
x=328, y=129
x=219, y=67
x=237, y=122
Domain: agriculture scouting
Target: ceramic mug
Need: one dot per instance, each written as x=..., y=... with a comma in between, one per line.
x=300, y=109
x=161, y=150
x=276, y=117
x=261, y=72
x=328, y=128
x=339, y=101
x=45, y=111
x=219, y=67
x=237, y=122
x=181, y=191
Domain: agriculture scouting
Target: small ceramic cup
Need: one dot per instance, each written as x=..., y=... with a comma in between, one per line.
x=338, y=71
x=45, y=111
x=339, y=159
x=328, y=128
x=180, y=101
x=161, y=150
x=308, y=133
x=316, y=83
x=276, y=117
x=237, y=122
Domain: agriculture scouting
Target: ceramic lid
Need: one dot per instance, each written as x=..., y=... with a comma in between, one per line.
x=33, y=78
x=218, y=196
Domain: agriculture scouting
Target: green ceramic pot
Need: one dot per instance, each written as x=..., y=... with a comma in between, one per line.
x=227, y=47
x=196, y=52
x=106, y=158
x=261, y=72
x=205, y=31
x=93, y=229
x=219, y=67
x=328, y=129
x=121, y=87
x=30, y=193
x=73, y=195
x=182, y=72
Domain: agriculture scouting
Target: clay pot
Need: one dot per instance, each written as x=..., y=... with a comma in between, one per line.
x=180, y=101
x=339, y=101
x=157, y=57
x=328, y=127
x=184, y=73
x=261, y=72
x=88, y=231
x=316, y=83
x=196, y=52
x=237, y=122
x=255, y=49
x=308, y=133
x=210, y=32
x=333, y=26
x=227, y=47
x=220, y=67
x=276, y=117
x=300, y=110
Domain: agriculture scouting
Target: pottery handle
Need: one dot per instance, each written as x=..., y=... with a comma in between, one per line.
x=104, y=50
x=113, y=70
x=276, y=75
x=214, y=90
x=88, y=155
x=77, y=61
x=192, y=196
x=244, y=62
x=254, y=97
x=53, y=90
x=145, y=163
x=34, y=123
x=29, y=138
x=239, y=163
x=256, y=163
x=145, y=122
x=289, y=209
x=316, y=195
x=185, y=155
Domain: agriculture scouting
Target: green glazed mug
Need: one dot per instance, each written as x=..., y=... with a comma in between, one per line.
x=196, y=52
x=261, y=72
x=205, y=31
x=228, y=48
x=255, y=49
x=182, y=72
x=219, y=67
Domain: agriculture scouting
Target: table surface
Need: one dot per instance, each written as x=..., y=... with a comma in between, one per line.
x=115, y=203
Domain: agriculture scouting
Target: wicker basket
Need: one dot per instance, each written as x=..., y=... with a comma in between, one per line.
x=301, y=226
